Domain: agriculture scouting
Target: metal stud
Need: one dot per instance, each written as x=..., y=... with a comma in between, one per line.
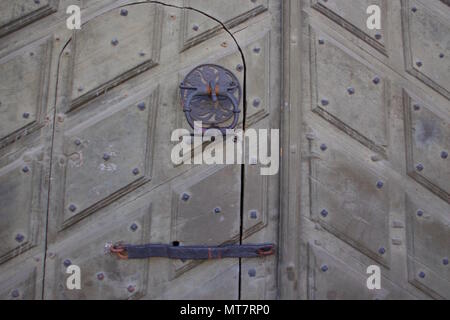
x=195, y=27
x=441, y=55
x=324, y=213
x=351, y=91
x=378, y=36
x=382, y=251
x=253, y=214
x=26, y=115
x=106, y=157
x=419, y=167
x=321, y=41
x=445, y=261
x=100, y=276
x=444, y=154
x=416, y=107
x=217, y=210
x=419, y=64
x=77, y=142
x=15, y=293
x=25, y=169
x=252, y=273
x=256, y=102
x=257, y=50
x=422, y=274
x=19, y=238
x=324, y=268
x=134, y=227
x=239, y=67
x=136, y=171
x=419, y=213
x=324, y=102
x=73, y=208
x=376, y=80
x=185, y=197
x=124, y=12
x=380, y=184
x=323, y=147
x=114, y=41
x=67, y=263
x=131, y=289
x=414, y=9
x=141, y=106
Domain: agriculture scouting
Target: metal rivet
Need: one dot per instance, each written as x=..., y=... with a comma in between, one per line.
x=185, y=197
x=351, y=91
x=77, y=142
x=257, y=50
x=26, y=115
x=131, y=289
x=416, y=107
x=445, y=261
x=419, y=167
x=124, y=12
x=376, y=80
x=134, y=227
x=444, y=154
x=414, y=9
x=419, y=213
x=142, y=54
x=100, y=276
x=217, y=210
x=252, y=273
x=256, y=102
x=106, y=157
x=325, y=102
x=419, y=64
x=73, y=208
x=26, y=169
x=239, y=67
x=324, y=268
x=378, y=36
x=141, y=106
x=114, y=41
x=422, y=274
x=441, y=55
x=19, y=238
x=382, y=251
x=323, y=147
x=321, y=41
x=380, y=184
x=253, y=214
x=136, y=171
x=15, y=293
x=195, y=27
x=324, y=213
x=67, y=263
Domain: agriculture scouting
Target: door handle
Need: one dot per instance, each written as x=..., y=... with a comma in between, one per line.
x=211, y=94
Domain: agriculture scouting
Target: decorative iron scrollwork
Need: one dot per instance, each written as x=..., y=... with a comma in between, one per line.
x=211, y=94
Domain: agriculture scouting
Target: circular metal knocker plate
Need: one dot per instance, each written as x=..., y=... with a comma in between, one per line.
x=211, y=94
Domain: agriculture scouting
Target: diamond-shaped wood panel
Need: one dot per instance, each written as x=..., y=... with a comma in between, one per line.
x=103, y=276
x=351, y=201
x=427, y=45
x=428, y=231
x=350, y=14
x=23, y=91
x=427, y=145
x=105, y=157
x=201, y=203
x=19, y=207
x=113, y=48
x=348, y=93
x=18, y=13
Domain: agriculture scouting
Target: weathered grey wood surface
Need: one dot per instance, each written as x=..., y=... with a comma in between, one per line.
x=364, y=121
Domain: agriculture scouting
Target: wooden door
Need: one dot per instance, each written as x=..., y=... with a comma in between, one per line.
x=367, y=176
x=86, y=122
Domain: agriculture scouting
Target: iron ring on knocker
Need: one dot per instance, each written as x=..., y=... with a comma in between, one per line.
x=211, y=94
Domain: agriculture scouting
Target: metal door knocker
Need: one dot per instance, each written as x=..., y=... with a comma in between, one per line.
x=211, y=94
